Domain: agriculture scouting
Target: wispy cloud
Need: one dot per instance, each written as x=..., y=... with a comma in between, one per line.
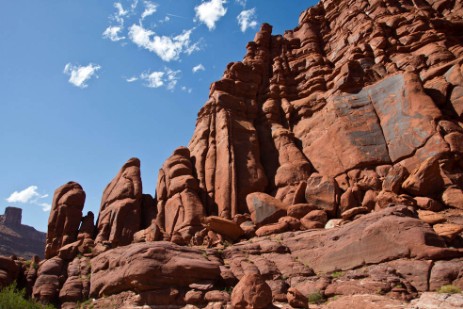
x=167, y=78
x=120, y=9
x=79, y=75
x=131, y=79
x=241, y=2
x=209, y=12
x=186, y=89
x=134, y=4
x=30, y=195
x=247, y=19
x=167, y=48
x=150, y=9
x=112, y=33
x=199, y=67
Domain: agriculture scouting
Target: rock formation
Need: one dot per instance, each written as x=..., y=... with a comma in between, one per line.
x=19, y=239
x=180, y=209
x=328, y=162
x=65, y=217
x=121, y=200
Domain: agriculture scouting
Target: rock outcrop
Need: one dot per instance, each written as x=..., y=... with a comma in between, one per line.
x=65, y=217
x=121, y=200
x=328, y=162
x=19, y=239
x=180, y=209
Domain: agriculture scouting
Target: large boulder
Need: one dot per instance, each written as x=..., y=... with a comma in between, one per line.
x=264, y=208
x=251, y=292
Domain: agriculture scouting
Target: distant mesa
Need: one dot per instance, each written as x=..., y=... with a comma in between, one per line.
x=19, y=239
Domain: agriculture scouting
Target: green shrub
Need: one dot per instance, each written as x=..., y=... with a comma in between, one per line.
x=12, y=298
x=449, y=289
x=315, y=298
x=337, y=274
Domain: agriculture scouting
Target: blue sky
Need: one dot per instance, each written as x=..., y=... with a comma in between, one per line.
x=87, y=84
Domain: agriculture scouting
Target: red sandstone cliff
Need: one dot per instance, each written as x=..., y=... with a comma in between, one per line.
x=338, y=144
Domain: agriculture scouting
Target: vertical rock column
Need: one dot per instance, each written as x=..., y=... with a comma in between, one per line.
x=120, y=213
x=225, y=145
x=179, y=206
x=65, y=217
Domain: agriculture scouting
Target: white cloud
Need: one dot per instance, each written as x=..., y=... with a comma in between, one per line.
x=131, y=79
x=79, y=75
x=153, y=79
x=165, y=19
x=150, y=9
x=199, y=67
x=167, y=78
x=186, y=89
x=167, y=48
x=25, y=196
x=45, y=206
x=120, y=9
x=112, y=33
x=241, y=2
x=30, y=195
x=247, y=19
x=210, y=12
x=134, y=4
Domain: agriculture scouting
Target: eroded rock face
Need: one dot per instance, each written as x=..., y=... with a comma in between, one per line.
x=149, y=266
x=65, y=217
x=121, y=200
x=50, y=278
x=180, y=208
x=343, y=90
x=8, y=271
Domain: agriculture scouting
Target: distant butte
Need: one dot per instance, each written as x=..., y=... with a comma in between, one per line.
x=19, y=239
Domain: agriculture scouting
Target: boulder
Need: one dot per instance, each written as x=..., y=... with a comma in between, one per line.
x=251, y=292
x=394, y=178
x=427, y=203
x=225, y=227
x=300, y=210
x=426, y=180
x=296, y=299
x=273, y=228
x=431, y=217
x=432, y=300
x=322, y=191
x=264, y=208
x=453, y=197
x=448, y=230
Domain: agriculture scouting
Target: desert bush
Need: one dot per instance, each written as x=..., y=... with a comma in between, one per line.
x=449, y=289
x=12, y=298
